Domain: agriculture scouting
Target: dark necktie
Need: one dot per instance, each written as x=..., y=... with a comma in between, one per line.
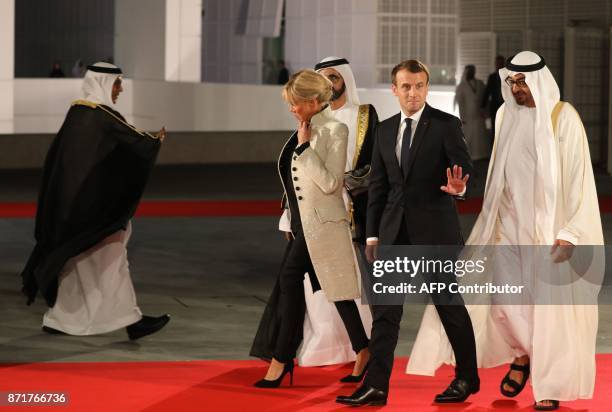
x=406, y=146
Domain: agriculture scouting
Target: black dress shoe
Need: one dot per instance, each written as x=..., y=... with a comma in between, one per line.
x=554, y=405
x=457, y=391
x=146, y=326
x=364, y=395
x=52, y=331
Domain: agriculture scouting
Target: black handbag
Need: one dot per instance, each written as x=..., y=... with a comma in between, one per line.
x=356, y=181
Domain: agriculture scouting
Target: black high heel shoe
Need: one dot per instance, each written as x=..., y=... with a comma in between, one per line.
x=355, y=378
x=287, y=369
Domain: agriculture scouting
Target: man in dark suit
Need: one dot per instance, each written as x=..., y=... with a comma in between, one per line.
x=417, y=172
x=492, y=98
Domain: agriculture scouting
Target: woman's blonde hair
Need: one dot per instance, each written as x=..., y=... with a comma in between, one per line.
x=307, y=84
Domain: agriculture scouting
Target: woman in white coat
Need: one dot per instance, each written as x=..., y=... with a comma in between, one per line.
x=311, y=168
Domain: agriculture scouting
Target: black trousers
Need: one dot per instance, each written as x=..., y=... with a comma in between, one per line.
x=385, y=331
x=292, y=305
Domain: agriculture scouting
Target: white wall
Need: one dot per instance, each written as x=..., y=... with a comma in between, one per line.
x=7, y=64
x=183, y=40
x=41, y=105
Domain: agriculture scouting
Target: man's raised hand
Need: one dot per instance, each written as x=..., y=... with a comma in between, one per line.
x=456, y=182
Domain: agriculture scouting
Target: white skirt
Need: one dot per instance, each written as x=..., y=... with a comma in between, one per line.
x=326, y=341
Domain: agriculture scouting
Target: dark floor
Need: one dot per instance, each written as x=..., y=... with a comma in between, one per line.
x=210, y=182
x=212, y=274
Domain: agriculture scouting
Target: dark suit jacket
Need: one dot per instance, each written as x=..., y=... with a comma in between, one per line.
x=429, y=213
x=492, y=97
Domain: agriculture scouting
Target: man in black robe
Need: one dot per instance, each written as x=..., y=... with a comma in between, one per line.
x=94, y=176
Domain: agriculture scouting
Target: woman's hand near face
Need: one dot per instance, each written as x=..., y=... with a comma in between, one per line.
x=304, y=132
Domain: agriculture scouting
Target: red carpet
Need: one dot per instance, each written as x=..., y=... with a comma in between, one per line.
x=226, y=386
x=201, y=208
x=171, y=208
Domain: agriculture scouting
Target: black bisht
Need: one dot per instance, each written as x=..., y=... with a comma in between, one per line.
x=94, y=176
x=266, y=337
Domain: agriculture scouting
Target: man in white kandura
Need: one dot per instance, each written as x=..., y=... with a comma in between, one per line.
x=79, y=264
x=468, y=97
x=540, y=191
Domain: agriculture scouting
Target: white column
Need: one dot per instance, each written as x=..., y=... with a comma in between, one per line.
x=7, y=65
x=159, y=39
x=609, y=165
x=183, y=40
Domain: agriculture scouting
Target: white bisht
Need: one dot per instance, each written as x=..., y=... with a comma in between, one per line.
x=559, y=339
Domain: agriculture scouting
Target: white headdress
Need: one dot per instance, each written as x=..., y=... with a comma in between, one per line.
x=342, y=66
x=98, y=83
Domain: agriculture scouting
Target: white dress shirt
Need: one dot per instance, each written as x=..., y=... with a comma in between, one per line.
x=400, y=134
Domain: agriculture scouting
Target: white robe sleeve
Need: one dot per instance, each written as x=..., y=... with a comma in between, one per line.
x=579, y=195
